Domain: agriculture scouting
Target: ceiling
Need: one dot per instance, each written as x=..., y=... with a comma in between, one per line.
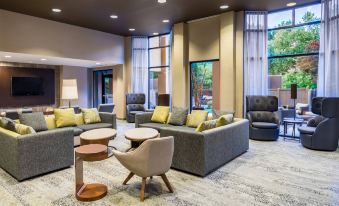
x=144, y=15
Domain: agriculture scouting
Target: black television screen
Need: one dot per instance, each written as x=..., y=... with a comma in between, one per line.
x=27, y=86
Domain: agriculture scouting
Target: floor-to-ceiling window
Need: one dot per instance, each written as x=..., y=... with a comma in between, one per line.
x=293, y=50
x=159, y=67
x=205, y=85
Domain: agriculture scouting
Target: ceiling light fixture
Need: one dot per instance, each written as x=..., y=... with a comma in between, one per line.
x=98, y=63
x=161, y=1
x=165, y=21
x=224, y=7
x=155, y=33
x=114, y=16
x=43, y=59
x=291, y=4
x=56, y=10
x=7, y=56
x=131, y=29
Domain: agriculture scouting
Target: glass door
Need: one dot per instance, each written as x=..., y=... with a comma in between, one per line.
x=102, y=87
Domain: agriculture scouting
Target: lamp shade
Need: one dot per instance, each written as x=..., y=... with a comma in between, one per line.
x=69, y=89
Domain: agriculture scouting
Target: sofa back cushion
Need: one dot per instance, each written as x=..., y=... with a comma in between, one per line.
x=64, y=117
x=90, y=116
x=196, y=118
x=160, y=114
x=178, y=116
x=36, y=120
x=262, y=103
x=262, y=116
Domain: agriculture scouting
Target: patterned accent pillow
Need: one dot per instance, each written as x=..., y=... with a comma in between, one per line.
x=36, y=120
x=64, y=117
x=218, y=113
x=196, y=118
x=178, y=116
x=206, y=125
x=91, y=116
x=24, y=129
x=7, y=123
x=225, y=120
x=314, y=122
x=160, y=114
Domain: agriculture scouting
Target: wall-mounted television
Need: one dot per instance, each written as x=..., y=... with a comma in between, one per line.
x=27, y=86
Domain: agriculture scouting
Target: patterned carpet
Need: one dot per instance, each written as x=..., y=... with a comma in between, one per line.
x=270, y=173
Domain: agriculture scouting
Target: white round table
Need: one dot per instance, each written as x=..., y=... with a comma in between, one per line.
x=139, y=135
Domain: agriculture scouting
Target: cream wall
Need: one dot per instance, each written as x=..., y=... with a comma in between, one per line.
x=31, y=35
x=218, y=37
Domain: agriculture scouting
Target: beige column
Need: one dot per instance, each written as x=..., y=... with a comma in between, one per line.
x=239, y=67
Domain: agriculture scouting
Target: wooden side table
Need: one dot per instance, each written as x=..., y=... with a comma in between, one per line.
x=138, y=135
x=84, y=191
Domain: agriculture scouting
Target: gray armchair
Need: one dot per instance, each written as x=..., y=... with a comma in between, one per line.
x=135, y=105
x=262, y=113
x=106, y=108
x=323, y=135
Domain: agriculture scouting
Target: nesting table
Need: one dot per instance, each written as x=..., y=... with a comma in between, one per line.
x=138, y=135
x=294, y=122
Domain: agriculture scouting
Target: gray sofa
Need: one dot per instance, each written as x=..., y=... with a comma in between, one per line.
x=200, y=153
x=31, y=155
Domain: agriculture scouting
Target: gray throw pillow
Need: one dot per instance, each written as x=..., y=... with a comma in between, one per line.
x=8, y=124
x=315, y=121
x=218, y=113
x=178, y=116
x=36, y=120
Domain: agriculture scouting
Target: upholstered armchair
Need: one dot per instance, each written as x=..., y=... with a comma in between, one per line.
x=152, y=158
x=322, y=132
x=106, y=108
x=262, y=113
x=134, y=105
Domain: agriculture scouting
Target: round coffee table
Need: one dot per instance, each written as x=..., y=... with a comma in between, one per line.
x=138, y=135
x=98, y=136
x=93, y=191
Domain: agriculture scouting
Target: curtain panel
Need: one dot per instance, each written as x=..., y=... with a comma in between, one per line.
x=140, y=66
x=255, y=54
x=328, y=71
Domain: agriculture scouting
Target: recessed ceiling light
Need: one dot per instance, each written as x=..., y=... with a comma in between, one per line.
x=224, y=7
x=43, y=59
x=7, y=56
x=165, y=21
x=98, y=63
x=155, y=33
x=131, y=29
x=161, y=1
x=114, y=16
x=291, y=4
x=56, y=10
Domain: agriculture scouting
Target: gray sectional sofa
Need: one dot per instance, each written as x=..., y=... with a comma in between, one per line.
x=201, y=153
x=31, y=155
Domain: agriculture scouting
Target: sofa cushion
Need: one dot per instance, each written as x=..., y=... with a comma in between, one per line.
x=7, y=123
x=24, y=129
x=87, y=127
x=180, y=129
x=206, y=125
x=154, y=125
x=264, y=125
x=178, y=116
x=307, y=130
x=225, y=120
x=64, y=117
x=136, y=112
x=160, y=114
x=196, y=118
x=91, y=115
x=35, y=120
x=314, y=122
x=135, y=107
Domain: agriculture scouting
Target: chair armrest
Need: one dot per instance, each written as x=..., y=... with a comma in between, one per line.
x=249, y=117
x=143, y=118
x=110, y=118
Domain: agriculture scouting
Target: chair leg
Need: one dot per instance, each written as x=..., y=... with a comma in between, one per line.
x=164, y=178
x=142, y=191
x=131, y=174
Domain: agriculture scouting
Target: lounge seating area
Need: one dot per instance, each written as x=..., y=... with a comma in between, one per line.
x=166, y=102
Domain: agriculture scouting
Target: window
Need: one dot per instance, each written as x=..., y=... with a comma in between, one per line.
x=102, y=87
x=205, y=85
x=293, y=50
x=159, y=68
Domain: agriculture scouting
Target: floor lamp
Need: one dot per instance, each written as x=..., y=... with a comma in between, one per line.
x=69, y=90
x=294, y=96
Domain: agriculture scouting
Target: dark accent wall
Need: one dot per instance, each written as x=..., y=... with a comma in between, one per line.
x=7, y=100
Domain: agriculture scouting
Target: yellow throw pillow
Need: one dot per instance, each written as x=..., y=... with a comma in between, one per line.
x=24, y=129
x=210, y=116
x=91, y=116
x=79, y=119
x=50, y=121
x=210, y=124
x=196, y=118
x=169, y=117
x=64, y=117
x=9, y=132
x=160, y=114
x=225, y=120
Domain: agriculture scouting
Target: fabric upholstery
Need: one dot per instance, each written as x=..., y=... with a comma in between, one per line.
x=196, y=117
x=64, y=117
x=8, y=133
x=87, y=127
x=262, y=103
x=225, y=120
x=36, y=120
x=135, y=99
x=79, y=119
x=265, y=125
x=178, y=116
x=314, y=122
x=153, y=157
x=218, y=113
x=91, y=115
x=106, y=108
x=8, y=124
x=160, y=114
x=24, y=129
x=317, y=105
x=134, y=102
x=307, y=130
x=50, y=121
x=206, y=125
x=154, y=125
